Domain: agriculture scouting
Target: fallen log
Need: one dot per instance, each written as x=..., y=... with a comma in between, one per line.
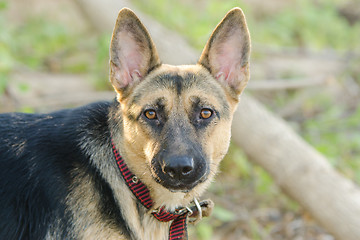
x=301, y=172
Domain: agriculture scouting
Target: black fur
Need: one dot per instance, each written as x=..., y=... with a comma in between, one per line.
x=40, y=154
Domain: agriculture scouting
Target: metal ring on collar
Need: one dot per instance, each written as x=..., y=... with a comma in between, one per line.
x=199, y=215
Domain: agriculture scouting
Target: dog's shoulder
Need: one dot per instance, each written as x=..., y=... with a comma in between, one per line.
x=38, y=154
x=47, y=138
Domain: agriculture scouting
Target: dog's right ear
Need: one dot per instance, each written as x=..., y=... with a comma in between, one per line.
x=132, y=52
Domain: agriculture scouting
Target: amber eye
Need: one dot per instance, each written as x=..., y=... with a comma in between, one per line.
x=206, y=113
x=150, y=114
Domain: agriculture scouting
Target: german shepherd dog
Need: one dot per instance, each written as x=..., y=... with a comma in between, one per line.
x=73, y=174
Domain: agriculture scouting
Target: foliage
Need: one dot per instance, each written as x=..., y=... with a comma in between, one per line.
x=201, y=18
x=308, y=24
x=46, y=45
x=334, y=133
x=303, y=23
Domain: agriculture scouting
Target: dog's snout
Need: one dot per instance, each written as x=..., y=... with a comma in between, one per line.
x=178, y=167
x=179, y=171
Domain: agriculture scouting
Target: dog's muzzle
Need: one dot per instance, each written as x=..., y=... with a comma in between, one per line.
x=179, y=172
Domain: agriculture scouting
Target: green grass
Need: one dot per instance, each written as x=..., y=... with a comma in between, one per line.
x=310, y=25
x=31, y=45
x=302, y=24
x=42, y=44
x=334, y=133
x=193, y=23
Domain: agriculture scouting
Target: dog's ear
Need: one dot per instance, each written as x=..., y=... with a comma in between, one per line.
x=227, y=52
x=132, y=52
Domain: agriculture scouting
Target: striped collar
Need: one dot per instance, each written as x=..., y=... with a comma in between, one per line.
x=178, y=228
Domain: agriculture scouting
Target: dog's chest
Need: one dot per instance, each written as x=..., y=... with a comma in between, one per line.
x=154, y=229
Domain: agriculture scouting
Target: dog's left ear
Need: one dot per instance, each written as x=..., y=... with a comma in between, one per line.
x=132, y=52
x=227, y=52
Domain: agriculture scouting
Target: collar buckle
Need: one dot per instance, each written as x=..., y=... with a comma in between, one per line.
x=198, y=213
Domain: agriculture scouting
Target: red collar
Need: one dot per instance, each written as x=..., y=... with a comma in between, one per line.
x=178, y=228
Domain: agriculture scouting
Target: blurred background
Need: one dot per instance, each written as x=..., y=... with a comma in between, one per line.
x=304, y=68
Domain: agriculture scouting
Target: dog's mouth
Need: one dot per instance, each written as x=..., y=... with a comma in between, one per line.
x=179, y=186
x=180, y=173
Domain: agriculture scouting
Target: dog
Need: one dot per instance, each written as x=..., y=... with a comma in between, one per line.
x=129, y=168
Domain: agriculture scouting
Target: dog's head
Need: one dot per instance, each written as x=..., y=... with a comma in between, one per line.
x=176, y=119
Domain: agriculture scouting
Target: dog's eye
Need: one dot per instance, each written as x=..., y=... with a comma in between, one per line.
x=206, y=113
x=150, y=114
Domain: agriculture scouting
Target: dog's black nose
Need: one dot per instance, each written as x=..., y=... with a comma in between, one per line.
x=178, y=167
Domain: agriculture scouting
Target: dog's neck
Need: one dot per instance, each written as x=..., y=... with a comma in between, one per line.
x=178, y=228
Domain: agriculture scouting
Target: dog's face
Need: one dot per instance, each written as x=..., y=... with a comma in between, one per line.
x=176, y=119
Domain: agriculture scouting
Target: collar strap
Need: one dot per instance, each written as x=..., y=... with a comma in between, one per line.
x=178, y=228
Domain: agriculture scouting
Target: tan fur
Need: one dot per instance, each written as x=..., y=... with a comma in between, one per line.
x=140, y=147
x=84, y=199
x=134, y=70
x=83, y=204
